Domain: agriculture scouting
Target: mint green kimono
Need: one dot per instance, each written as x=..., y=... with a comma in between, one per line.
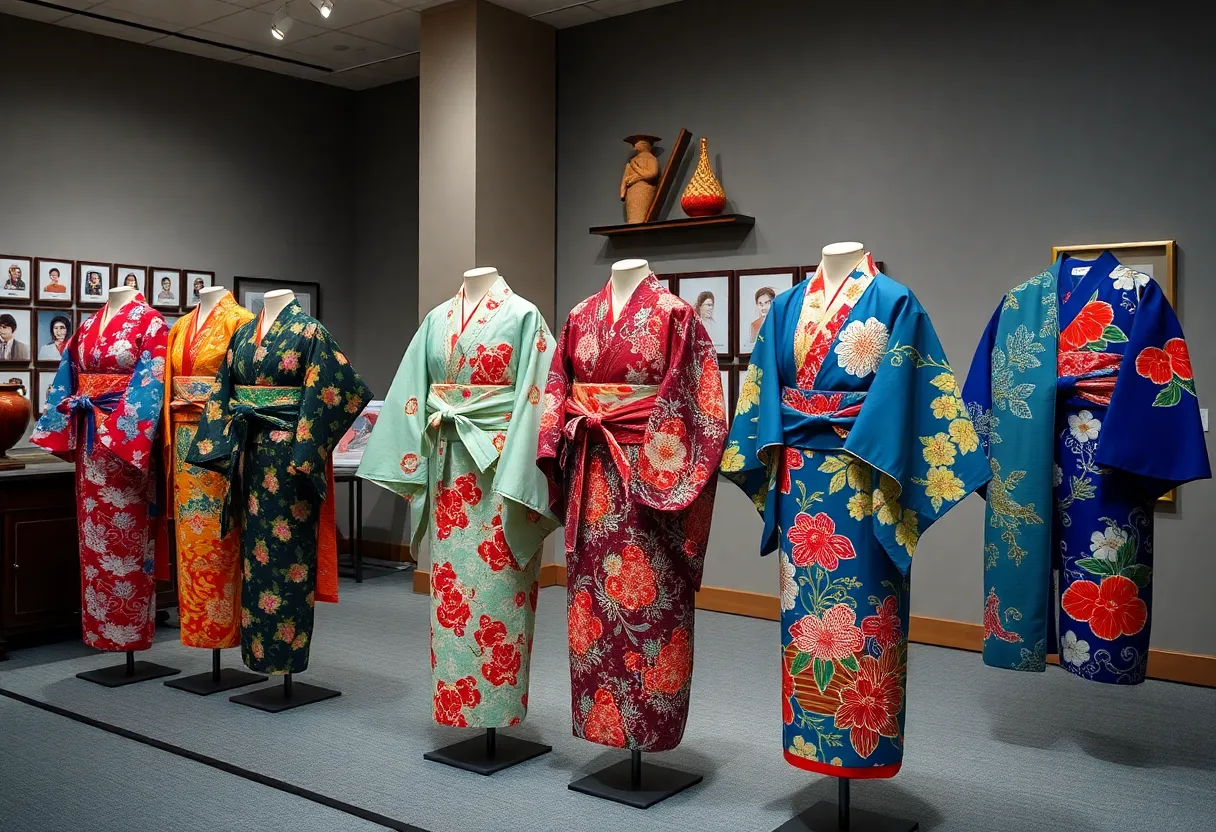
x=457, y=437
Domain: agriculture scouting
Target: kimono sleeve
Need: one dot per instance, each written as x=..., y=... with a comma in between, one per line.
x=54, y=431
x=977, y=390
x=914, y=430
x=527, y=520
x=551, y=441
x=682, y=446
x=131, y=432
x=324, y=417
x=1153, y=429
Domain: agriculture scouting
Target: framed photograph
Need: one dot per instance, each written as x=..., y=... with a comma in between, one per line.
x=171, y=319
x=166, y=288
x=15, y=334
x=54, y=280
x=40, y=385
x=756, y=289
x=83, y=315
x=250, y=292
x=709, y=294
x=54, y=327
x=195, y=282
x=92, y=282
x=349, y=452
x=16, y=274
x=134, y=276
x=730, y=377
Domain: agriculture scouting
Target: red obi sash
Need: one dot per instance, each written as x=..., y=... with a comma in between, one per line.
x=1088, y=375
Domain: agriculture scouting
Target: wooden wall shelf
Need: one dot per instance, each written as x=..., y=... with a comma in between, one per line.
x=637, y=229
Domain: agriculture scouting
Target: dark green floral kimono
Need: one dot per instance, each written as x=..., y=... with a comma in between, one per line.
x=280, y=405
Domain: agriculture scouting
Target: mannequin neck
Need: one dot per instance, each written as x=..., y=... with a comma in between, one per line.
x=274, y=302
x=208, y=299
x=627, y=276
x=477, y=284
x=117, y=298
x=839, y=261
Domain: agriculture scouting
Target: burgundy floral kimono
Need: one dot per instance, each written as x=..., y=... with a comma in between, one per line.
x=631, y=437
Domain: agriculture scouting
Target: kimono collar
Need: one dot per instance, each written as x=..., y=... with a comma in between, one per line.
x=123, y=311
x=818, y=309
x=649, y=286
x=1076, y=289
x=221, y=308
x=459, y=340
x=285, y=316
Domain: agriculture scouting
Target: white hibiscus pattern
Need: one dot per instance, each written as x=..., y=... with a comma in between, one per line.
x=1129, y=279
x=861, y=346
x=1084, y=426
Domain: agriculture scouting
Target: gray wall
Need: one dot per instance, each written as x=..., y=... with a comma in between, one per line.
x=960, y=144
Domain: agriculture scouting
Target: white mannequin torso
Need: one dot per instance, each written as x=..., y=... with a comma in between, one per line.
x=627, y=276
x=839, y=261
x=477, y=282
x=116, y=299
x=275, y=301
x=207, y=300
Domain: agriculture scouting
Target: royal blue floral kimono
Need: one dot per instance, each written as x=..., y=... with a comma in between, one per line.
x=1083, y=395
x=851, y=439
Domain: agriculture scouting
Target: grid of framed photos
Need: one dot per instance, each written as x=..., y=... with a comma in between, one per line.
x=43, y=300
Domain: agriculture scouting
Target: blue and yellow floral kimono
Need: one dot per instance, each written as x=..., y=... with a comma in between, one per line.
x=1083, y=395
x=851, y=438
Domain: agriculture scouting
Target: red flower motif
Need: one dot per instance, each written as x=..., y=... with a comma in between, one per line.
x=521, y=598
x=452, y=699
x=503, y=667
x=673, y=665
x=869, y=706
x=449, y=504
x=1154, y=364
x=791, y=460
x=585, y=628
x=1088, y=326
x=604, y=724
x=411, y=406
x=409, y=463
x=814, y=404
x=599, y=496
x=1180, y=358
x=453, y=611
x=1111, y=609
x=495, y=551
x=787, y=695
x=665, y=456
x=710, y=399
x=489, y=633
x=490, y=365
x=814, y=540
x=631, y=583
x=835, y=636
x=884, y=627
x=634, y=662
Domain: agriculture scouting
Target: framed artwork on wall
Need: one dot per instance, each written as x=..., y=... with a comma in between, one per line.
x=134, y=276
x=250, y=292
x=709, y=294
x=195, y=282
x=166, y=288
x=730, y=380
x=171, y=319
x=54, y=280
x=755, y=290
x=83, y=315
x=53, y=327
x=16, y=275
x=92, y=282
x=15, y=335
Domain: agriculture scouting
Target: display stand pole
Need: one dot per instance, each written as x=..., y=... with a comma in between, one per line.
x=275, y=700
x=217, y=681
x=824, y=817
x=128, y=673
x=487, y=755
x=634, y=783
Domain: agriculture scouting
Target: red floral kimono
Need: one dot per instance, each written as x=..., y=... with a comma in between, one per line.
x=631, y=438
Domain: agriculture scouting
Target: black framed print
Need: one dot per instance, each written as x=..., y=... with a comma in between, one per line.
x=54, y=280
x=15, y=335
x=251, y=292
x=53, y=327
x=134, y=276
x=709, y=294
x=166, y=288
x=196, y=281
x=755, y=290
x=92, y=282
x=16, y=275
x=40, y=394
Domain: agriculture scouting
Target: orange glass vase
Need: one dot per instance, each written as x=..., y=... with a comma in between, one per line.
x=704, y=196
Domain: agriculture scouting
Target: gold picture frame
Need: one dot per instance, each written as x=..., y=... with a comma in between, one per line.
x=1158, y=259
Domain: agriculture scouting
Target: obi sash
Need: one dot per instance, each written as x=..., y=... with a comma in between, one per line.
x=470, y=413
x=1088, y=376
x=614, y=414
x=188, y=396
x=818, y=419
x=97, y=393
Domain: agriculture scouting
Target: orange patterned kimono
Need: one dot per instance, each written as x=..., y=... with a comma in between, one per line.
x=208, y=565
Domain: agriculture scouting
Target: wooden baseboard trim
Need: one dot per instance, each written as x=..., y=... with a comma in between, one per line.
x=1166, y=665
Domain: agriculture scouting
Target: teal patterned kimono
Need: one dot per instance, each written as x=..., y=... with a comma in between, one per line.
x=281, y=404
x=457, y=437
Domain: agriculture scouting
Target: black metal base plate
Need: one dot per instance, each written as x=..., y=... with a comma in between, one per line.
x=204, y=684
x=824, y=817
x=273, y=701
x=613, y=783
x=116, y=676
x=472, y=754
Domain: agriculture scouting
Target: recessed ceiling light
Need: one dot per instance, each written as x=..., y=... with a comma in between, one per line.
x=324, y=7
x=281, y=24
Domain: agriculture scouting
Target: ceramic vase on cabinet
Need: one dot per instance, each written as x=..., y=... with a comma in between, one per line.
x=704, y=196
x=14, y=419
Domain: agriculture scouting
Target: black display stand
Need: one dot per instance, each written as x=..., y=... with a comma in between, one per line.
x=273, y=699
x=487, y=755
x=217, y=681
x=116, y=676
x=824, y=817
x=634, y=783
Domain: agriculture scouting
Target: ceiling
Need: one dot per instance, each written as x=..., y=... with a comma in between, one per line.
x=363, y=43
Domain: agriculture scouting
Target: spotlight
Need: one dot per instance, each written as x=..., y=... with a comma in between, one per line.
x=281, y=24
x=323, y=6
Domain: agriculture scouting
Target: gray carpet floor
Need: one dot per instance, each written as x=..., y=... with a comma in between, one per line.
x=987, y=750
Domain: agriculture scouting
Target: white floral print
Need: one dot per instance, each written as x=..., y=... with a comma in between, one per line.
x=1084, y=426
x=121, y=566
x=789, y=588
x=120, y=633
x=1073, y=650
x=1128, y=279
x=860, y=347
x=1106, y=545
x=119, y=497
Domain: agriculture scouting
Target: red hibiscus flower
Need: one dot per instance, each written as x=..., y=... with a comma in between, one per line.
x=814, y=540
x=631, y=581
x=585, y=628
x=791, y=460
x=1180, y=358
x=503, y=667
x=489, y=633
x=835, y=636
x=673, y=665
x=604, y=724
x=869, y=706
x=884, y=627
x=495, y=551
x=490, y=365
x=1088, y=326
x=452, y=699
x=599, y=497
x=1112, y=608
x=787, y=695
x=1154, y=364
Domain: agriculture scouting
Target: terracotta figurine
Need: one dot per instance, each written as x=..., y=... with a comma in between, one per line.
x=638, y=185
